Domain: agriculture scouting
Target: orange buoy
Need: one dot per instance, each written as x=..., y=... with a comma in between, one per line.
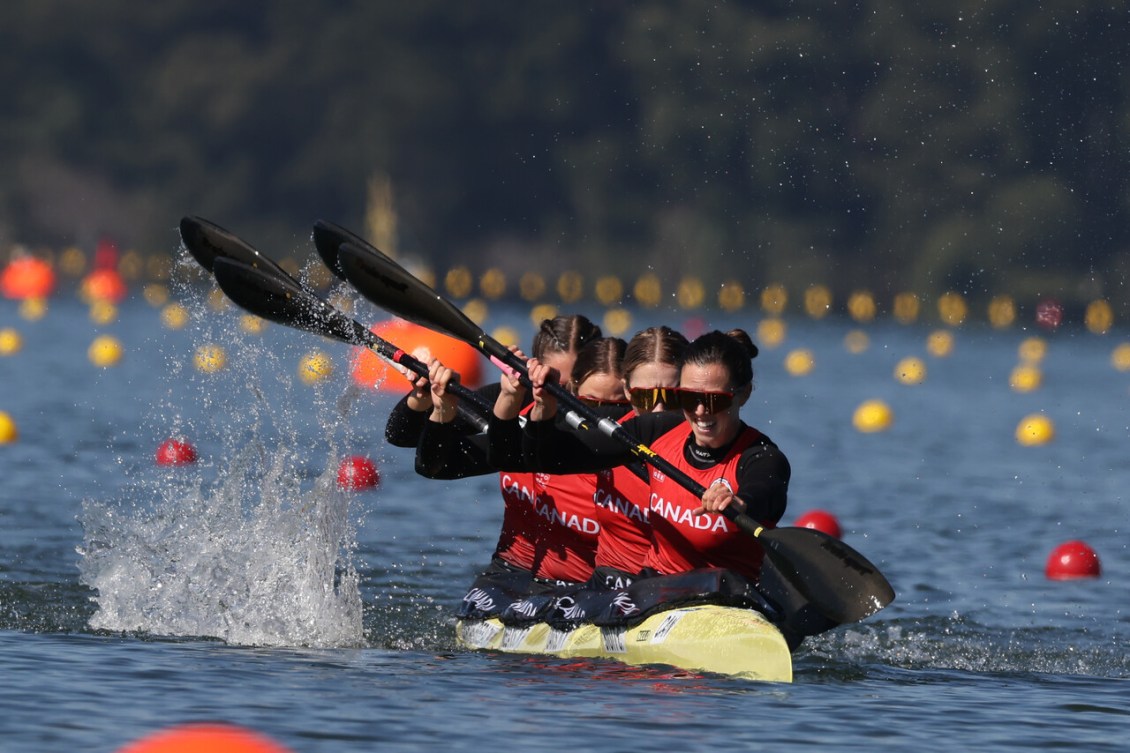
x=1071, y=560
x=214, y=738
x=821, y=520
x=356, y=473
x=103, y=285
x=27, y=277
x=370, y=370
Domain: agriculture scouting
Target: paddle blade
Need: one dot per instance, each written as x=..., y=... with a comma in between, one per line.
x=390, y=286
x=328, y=239
x=836, y=579
x=207, y=241
x=282, y=301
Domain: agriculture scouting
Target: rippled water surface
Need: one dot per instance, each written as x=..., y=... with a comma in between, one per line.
x=247, y=588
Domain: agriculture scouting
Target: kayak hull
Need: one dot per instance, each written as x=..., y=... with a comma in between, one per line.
x=702, y=638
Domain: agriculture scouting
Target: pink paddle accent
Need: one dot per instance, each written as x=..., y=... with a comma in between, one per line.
x=508, y=371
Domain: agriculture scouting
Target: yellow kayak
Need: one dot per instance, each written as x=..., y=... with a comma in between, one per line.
x=701, y=638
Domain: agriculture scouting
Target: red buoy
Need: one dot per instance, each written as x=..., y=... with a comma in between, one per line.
x=175, y=452
x=357, y=473
x=821, y=520
x=1049, y=313
x=1071, y=560
x=27, y=277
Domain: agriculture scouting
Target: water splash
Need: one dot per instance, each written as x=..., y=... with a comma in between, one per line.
x=269, y=568
x=261, y=551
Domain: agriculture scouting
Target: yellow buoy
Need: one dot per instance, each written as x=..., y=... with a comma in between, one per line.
x=252, y=324
x=690, y=293
x=818, y=301
x=861, y=306
x=10, y=341
x=617, y=321
x=731, y=296
x=103, y=311
x=872, y=416
x=531, y=286
x=33, y=309
x=493, y=283
x=911, y=370
x=799, y=362
x=609, y=290
x=315, y=367
x=1033, y=350
x=771, y=332
x=1099, y=317
x=459, y=282
x=8, y=430
x=541, y=312
x=217, y=301
x=1026, y=377
x=648, y=290
x=774, y=298
x=952, y=309
x=1002, y=311
x=155, y=294
x=476, y=310
x=906, y=308
x=210, y=358
x=507, y=335
x=105, y=351
x=856, y=341
x=174, y=316
x=1035, y=429
x=940, y=343
x=1120, y=357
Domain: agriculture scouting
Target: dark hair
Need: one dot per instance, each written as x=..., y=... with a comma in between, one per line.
x=734, y=350
x=564, y=334
x=654, y=344
x=603, y=355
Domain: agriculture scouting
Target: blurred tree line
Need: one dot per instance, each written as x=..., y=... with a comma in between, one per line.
x=970, y=146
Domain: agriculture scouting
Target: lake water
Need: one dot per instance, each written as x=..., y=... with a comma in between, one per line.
x=247, y=589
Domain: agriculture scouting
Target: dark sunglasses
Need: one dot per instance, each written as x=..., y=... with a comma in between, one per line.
x=644, y=399
x=596, y=402
x=713, y=402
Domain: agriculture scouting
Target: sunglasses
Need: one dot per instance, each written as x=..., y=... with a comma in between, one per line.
x=598, y=402
x=644, y=399
x=713, y=402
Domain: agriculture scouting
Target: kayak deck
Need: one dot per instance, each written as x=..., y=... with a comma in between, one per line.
x=701, y=638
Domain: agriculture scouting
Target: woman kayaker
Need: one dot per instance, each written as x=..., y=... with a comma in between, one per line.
x=650, y=371
x=738, y=465
x=445, y=449
x=554, y=520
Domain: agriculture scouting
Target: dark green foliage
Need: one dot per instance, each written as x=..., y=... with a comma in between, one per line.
x=977, y=146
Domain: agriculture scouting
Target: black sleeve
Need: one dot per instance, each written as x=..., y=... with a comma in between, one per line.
x=504, y=445
x=763, y=481
x=446, y=452
x=404, y=425
x=553, y=447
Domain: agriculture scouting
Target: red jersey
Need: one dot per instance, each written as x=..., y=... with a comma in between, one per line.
x=621, y=509
x=549, y=524
x=683, y=541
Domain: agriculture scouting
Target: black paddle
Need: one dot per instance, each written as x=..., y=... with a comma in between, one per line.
x=256, y=283
x=839, y=581
x=329, y=238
